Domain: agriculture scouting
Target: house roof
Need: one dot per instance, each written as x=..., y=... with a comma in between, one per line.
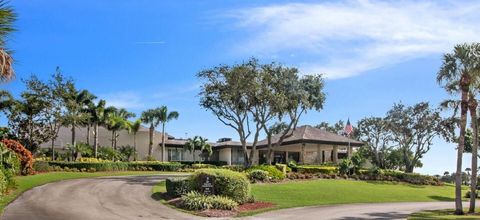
x=302, y=134
x=309, y=134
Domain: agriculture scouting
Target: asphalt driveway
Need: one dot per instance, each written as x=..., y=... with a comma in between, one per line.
x=130, y=197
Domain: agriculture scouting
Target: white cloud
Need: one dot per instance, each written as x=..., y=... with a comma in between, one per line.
x=346, y=38
x=128, y=100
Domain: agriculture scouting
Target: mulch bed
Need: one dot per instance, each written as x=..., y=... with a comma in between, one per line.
x=225, y=213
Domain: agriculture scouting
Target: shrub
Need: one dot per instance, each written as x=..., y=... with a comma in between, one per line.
x=178, y=186
x=92, y=160
x=258, y=175
x=202, y=166
x=222, y=202
x=346, y=167
x=317, y=169
x=228, y=183
x=197, y=201
x=273, y=172
x=282, y=168
x=26, y=159
x=238, y=168
x=3, y=182
x=42, y=166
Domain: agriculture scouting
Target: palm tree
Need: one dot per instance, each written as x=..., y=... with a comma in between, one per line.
x=7, y=18
x=134, y=127
x=164, y=117
x=150, y=116
x=117, y=121
x=459, y=75
x=75, y=103
x=98, y=116
x=198, y=143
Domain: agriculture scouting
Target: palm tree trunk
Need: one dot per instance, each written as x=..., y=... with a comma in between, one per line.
x=150, y=144
x=95, y=139
x=460, y=149
x=113, y=138
x=88, y=134
x=134, y=146
x=473, y=187
x=163, y=142
x=74, y=140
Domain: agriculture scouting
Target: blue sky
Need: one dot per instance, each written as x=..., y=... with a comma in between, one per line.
x=140, y=54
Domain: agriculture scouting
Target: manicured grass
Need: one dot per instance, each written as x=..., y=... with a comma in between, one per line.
x=25, y=183
x=441, y=214
x=324, y=192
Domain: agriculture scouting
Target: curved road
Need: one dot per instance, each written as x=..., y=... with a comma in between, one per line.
x=130, y=197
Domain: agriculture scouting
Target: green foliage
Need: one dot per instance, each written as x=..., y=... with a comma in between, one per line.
x=119, y=166
x=126, y=153
x=108, y=153
x=3, y=183
x=258, y=175
x=317, y=169
x=227, y=183
x=273, y=172
x=178, y=186
x=200, y=144
x=202, y=166
x=346, y=167
x=282, y=167
x=197, y=201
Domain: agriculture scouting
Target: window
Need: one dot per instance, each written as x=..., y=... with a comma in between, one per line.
x=175, y=154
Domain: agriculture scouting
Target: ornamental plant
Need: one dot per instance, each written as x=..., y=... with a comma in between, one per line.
x=26, y=159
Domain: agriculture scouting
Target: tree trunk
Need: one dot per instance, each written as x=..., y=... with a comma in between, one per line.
x=134, y=146
x=474, y=124
x=150, y=144
x=74, y=140
x=460, y=149
x=270, y=149
x=113, y=138
x=88, y=134
x=95, y=139
x=53, y=149
x=163, y=142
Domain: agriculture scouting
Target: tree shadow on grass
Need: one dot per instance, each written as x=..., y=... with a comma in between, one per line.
x=441, y=198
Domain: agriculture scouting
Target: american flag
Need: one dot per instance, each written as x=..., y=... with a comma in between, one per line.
x=348, y=128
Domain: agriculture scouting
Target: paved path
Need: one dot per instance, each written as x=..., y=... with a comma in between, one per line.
x=98, y=198
x=130, y=197
x=355, y=211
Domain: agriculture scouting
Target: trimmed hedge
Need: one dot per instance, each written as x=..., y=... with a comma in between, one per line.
x=317, y=169
x=118, y=166
x=3, y=183
x=227, y=183
x=215, y=163
x=273, y=172
x=178, y=186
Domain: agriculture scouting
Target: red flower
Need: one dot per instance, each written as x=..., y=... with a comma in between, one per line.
x=26, y=159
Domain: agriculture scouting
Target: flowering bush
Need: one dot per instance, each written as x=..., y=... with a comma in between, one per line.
x=26, y=159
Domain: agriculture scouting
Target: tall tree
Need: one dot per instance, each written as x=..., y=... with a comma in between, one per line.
x=134, y=128
x=226, y=92
x=413, y=129
x=292, y=96
x=374, y=132
x=151, y=117
x=7, y=18
x=165, y=117
x=458, y=77
x=57, y=89
x=98, y=116
x=75, y=103
x=29, y=116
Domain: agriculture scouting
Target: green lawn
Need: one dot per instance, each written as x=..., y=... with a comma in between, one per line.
x=25, y=183
x=324, y=192
x=441, y=214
